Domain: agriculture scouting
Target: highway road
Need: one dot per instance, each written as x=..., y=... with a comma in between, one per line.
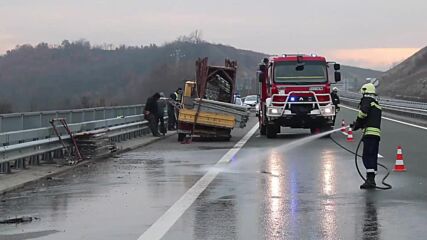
x=249, y=188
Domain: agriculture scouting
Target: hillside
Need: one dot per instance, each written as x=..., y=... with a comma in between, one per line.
x=74, y=75
x=77, y=75
x=408, y=80
x=356, y=77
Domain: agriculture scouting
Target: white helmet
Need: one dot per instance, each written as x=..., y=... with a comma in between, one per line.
x=335, y=89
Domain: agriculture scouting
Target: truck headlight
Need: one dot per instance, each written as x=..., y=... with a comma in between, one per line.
x=328, y=110
x=274, y=111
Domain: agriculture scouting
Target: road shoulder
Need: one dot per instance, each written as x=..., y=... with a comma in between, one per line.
x=23, y=177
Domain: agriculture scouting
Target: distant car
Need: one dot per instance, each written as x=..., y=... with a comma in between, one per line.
x=251, y=101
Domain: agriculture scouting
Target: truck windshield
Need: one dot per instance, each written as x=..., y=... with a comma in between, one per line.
x=313, y=72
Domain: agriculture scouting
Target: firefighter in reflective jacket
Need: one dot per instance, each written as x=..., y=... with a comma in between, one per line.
x=369, y=120
x=177, y=96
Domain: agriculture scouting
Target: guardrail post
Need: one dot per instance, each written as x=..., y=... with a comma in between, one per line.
x=40, y=120
x=20, y=163
x=22, y=122
x=47, y=157
x=33, y=160
x=5, y=168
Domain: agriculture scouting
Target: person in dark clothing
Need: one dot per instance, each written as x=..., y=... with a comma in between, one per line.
x=369, y=119
x=161, y=104
x=151, y=112
x=171, y=112
x=335, y=101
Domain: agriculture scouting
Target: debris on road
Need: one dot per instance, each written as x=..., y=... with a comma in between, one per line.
x=23, y=219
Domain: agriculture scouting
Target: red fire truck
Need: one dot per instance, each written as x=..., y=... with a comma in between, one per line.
x=295, y=92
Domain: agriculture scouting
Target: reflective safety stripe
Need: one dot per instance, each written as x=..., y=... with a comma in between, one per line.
x=373, y=131
x=362, y=114
x=370, y=171
x=374, y=104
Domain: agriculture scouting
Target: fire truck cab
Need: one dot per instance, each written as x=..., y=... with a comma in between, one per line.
x=295, y=92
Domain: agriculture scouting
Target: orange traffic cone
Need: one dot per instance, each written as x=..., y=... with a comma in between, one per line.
x=399, y=166
x=343, y=128
x=350, y=135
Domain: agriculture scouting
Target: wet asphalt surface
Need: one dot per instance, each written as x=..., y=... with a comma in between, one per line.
x=268, y=191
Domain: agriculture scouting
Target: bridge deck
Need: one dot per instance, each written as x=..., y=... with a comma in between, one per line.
x=268, y=191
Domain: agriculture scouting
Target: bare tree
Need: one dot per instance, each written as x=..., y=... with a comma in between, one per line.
x=194, y=37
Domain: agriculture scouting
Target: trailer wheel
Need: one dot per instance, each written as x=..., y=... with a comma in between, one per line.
x=181, y=137
x=271, y=131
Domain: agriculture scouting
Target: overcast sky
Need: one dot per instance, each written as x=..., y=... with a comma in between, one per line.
x=367, y=33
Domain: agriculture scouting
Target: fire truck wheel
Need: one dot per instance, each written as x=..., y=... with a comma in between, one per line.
x=271, y=131
x=315, y=130
x=262, y=129
x=326, y=129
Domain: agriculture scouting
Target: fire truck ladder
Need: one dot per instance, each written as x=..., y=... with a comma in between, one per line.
x=64, y=124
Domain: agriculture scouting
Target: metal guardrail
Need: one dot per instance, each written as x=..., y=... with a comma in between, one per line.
x=40, y=144
x=410, y=109
x=31, y=120
x=390, y=101
x=23, y=136
x=115, y=129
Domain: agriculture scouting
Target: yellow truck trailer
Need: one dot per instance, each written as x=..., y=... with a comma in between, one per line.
x=207, y=110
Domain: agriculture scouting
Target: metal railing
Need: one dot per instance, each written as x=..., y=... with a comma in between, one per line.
x=40, y=144
x=409, y=108
x=114, y=128
x=390, y=101
x=31, y=120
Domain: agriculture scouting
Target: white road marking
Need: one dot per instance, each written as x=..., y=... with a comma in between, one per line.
x=393, y=120
x=354, y=109
x=405, y=123
x=168, y=219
